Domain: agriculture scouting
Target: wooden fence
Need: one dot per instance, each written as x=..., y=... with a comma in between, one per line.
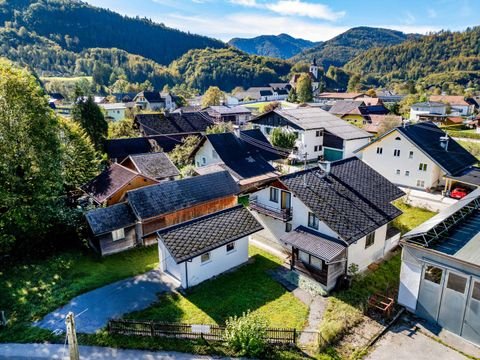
x=190, y=331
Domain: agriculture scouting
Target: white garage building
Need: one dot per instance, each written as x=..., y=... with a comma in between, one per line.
x=197, y=250
x=440, y=273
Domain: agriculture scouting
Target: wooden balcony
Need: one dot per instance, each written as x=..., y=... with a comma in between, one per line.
x=280, y=214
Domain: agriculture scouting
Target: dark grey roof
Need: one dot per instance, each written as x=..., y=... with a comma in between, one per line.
x=155, y=165
x=426, y=136
x=469, y=176
x=109, y=182
x=353, y=200
x=174, y=123
x=343, y=107
x=266, y=93
x=152, y=96
x=193, y=238
x=316, y=244
x=243, y=158
x=104, y=220
x=121, y=148
x=282, y=92
x=151, y=201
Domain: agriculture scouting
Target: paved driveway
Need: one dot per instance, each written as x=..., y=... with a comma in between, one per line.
x=50, y=351
x=95, y=308
x=402, y=342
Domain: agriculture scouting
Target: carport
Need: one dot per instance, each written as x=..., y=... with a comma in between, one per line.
x=470, y=179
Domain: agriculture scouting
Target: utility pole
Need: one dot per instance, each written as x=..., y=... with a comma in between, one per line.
x=72, y=337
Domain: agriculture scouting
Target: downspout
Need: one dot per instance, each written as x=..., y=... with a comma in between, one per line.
x=186, y=273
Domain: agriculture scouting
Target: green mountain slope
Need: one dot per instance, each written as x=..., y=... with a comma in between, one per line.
x=281, y=46
x=76, y=26
x=438, y=58
x=344, y=47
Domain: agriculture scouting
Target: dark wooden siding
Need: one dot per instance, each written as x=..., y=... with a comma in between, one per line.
x=108, y=246
x=274, y=120
x=332, y=141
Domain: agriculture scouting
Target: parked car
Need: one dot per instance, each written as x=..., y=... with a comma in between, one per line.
x=458, y=193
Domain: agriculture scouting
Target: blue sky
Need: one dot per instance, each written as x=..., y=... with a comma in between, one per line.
x=309, y=19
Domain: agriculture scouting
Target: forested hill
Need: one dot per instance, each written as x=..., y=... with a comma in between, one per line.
x=344, y=47
x=437, y=58
x=76, y=26
x=281, y=46
x=227, y=68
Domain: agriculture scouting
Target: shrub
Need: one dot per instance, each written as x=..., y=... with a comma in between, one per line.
x=247, y=335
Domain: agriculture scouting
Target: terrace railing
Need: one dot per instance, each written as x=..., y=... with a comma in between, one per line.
x=280, y=214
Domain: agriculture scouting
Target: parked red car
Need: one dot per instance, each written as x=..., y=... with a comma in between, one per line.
x=458, y=193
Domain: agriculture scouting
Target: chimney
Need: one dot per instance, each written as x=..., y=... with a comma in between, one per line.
x=444, y=142
x=324, y=166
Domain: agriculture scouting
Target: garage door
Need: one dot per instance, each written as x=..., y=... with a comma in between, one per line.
x=430, y=292
x=471, y=325
x=454, y=300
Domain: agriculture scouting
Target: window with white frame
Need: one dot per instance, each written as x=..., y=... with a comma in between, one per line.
x=317, y=148
x=205, y=257
x=422, y=167
x=396, y=152
x=204, y=161
x=421, y=183
x=230, y=247
x=274, y=194
x=370, y=240
x=397, y=171
x=118, y=234
x=410, y=155
x=319, y=133
x=407, y=173
x=312, y=221
x=379, y=150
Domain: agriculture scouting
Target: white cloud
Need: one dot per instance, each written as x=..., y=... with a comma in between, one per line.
x=251, y=25
x=294, y=8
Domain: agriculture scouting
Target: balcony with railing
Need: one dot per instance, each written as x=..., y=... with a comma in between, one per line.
x=276, y=213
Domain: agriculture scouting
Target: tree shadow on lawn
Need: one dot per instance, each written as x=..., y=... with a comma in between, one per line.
x=234, y=293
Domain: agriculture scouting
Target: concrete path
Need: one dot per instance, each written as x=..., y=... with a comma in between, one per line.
x=402, y=342
x=53, y=351
x=309, y=334
x=93, y=309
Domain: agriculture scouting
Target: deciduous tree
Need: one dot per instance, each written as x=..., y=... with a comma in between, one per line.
x=304, y=89
x=91, y=119
x=213, y=96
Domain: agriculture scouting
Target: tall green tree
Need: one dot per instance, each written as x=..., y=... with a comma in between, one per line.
x=292, y=96
x=282, y=138
x=80, y=161
x=220, y=128
x=304, y=89
x=30, y=165
x=91, y=119
x=212, y=97
x=181, y=154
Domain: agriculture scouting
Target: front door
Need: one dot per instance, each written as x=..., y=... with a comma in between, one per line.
x=454, y=299
x=286, y=200
x=471, y=324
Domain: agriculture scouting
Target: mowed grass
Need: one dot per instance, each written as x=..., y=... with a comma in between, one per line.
x=344, y=309
x=30, y=291
x=248, y=288
x=65, y=79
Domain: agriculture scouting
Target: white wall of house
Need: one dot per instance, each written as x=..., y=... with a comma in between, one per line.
x=349, y=146
x=206, y=155
x=415, y=111
x=407, y=165
x=197, y=271
x=116, y=114
x=358, y=254
x=310, y=141
x=461, y=110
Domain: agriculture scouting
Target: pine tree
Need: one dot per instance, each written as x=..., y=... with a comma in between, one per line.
x=91, y=119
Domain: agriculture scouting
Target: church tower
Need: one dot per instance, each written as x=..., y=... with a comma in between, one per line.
x=314, y=68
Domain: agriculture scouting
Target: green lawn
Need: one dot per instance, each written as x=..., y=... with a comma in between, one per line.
x=344, y=309
x=472, y=147
x=30, y=291
x=248, y=288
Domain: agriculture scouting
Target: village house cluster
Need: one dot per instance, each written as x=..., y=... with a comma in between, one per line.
x=326, y=203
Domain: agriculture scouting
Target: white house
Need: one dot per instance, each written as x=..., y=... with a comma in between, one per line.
x=320, y=135
x=238, y=115
x=329, y=217
x=425, y=109
x=197, y=250
x=440, y=271
x=417, y=156
x=149, y=100
x=458, y=105
x=114, y=112
x=248, y=156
